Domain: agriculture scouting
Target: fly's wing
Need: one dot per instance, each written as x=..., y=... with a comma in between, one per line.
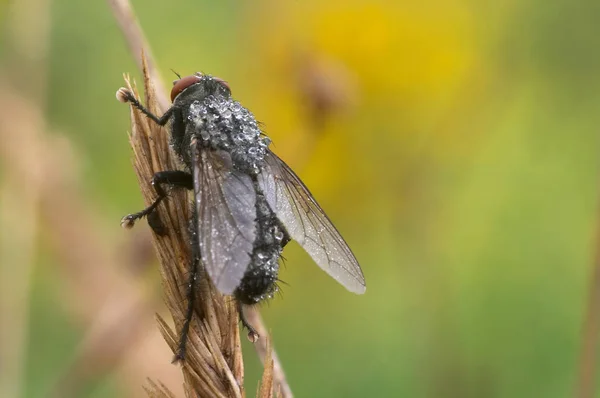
x=308, y=224
x=226, y=206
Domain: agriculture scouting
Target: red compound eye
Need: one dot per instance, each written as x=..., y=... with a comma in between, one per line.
x=223, y=82
x=182, y=84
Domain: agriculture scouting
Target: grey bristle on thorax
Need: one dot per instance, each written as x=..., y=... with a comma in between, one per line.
x=225, y=124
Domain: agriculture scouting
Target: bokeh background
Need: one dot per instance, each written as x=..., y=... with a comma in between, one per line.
x=453, y=143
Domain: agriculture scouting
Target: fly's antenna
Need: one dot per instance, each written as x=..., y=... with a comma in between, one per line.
x=176, y=74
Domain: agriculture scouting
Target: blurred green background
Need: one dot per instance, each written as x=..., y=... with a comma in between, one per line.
x=453, y=143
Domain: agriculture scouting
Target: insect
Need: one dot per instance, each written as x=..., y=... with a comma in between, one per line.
x=248, y=204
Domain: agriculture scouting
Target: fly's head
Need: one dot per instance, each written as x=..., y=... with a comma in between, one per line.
x=197, y=87
x=186, y=94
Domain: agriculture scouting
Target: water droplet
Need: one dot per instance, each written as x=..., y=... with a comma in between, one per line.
x=236, y=107
x=278, y=235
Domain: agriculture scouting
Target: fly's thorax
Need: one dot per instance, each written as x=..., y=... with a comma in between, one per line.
x=221, y=123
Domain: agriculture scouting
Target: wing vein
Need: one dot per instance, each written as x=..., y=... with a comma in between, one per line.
x=308, y=224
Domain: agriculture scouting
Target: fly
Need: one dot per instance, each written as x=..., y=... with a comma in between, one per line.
x=248, y=204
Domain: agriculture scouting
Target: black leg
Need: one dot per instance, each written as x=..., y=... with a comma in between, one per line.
x=126, y=96
x=174, y=178
x=191, y=296
x=178, y=179
x=252, y=333
x=191, y=291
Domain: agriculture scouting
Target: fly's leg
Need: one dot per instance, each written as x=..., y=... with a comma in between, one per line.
x=191, y=298
x=124, y=95
x=174, y=178
x=252, y=333
x=191, y=290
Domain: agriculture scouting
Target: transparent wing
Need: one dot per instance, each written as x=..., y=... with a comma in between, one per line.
x=226, y=205
x=308, y=224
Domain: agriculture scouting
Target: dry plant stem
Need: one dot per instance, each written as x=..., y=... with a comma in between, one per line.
x=147, y=149
x=134, y=37
x=265, y=389
x=213, y=363
x=267, y=353
x=158, y=390
x=97, y=290
x=586, y=384
x=39, y=190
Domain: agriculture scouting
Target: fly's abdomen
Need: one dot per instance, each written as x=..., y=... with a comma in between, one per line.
x=260, y=280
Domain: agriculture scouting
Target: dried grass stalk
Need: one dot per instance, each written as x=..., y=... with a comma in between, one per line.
x=213, y=365
x=265, y=389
